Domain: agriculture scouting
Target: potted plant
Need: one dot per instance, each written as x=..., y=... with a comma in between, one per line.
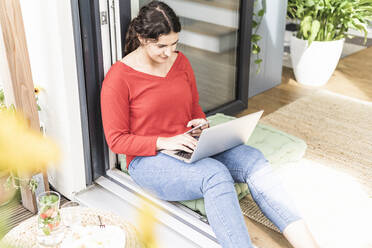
x=322, y=27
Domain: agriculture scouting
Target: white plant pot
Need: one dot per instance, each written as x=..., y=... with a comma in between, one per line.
x=313, y=65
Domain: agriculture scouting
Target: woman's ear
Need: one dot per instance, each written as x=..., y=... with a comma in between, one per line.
x=142, y=41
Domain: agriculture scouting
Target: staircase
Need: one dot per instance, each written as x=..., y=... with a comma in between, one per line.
x=209, y=39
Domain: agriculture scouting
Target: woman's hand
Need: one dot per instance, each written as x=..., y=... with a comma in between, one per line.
x=194, y=123
x=184, y=142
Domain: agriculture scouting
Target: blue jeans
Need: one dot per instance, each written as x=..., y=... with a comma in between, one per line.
x=213, y=178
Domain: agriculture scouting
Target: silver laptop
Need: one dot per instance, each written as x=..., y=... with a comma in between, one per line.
x=219, y=138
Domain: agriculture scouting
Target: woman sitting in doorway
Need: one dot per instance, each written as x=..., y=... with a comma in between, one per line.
x=149, y=99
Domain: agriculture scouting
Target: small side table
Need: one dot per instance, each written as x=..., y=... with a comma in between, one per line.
x=24, y=235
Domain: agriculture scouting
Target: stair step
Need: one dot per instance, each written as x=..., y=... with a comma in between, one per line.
x=225, y=4
x=207, y=36
x=206, y=28
x=206, y=11
x=215, y=75
x=226, y=58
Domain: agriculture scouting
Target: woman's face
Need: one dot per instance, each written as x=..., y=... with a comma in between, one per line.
x=160, y=51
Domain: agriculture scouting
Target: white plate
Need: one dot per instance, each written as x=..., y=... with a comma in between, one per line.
x=95, y=237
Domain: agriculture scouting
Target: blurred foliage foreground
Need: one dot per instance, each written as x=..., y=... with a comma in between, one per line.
x=22, y=149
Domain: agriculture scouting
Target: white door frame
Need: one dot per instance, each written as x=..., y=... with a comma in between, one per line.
x=111, y=42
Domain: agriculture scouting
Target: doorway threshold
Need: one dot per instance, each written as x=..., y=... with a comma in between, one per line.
x=116, y=192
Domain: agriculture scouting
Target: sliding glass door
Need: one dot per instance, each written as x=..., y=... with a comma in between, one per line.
x=215, y=37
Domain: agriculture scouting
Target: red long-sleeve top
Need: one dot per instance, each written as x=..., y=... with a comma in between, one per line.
x=137, y=107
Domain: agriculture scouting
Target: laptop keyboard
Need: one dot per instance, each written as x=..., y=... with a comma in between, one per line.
x=184, y=154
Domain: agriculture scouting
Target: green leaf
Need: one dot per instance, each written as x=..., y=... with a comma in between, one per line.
x=310, y=3
x=261, y=12
x=305, y=26
x=46, y=231
x=255, y=37
x=45, y=221
x=2, y=97
x=361, y=28
x=315, y=26
x=330, y=27
x=33, y=184
x=300, y=10
x=255, y=49
x=258, y=61
x=335, y=17
x=53, y=198
x=344, y=4
x=254, y=24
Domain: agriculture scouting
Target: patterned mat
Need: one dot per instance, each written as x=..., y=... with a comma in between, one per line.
x=337, y=130
x=252, y=211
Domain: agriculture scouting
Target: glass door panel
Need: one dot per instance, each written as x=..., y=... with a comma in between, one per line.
x=209, y=39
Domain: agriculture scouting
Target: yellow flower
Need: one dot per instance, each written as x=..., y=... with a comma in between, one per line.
x=37, y=90
x=22, y=148
x=146, y=226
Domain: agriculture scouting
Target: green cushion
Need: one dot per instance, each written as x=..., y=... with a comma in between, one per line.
x=278, y=147
x=198, y=204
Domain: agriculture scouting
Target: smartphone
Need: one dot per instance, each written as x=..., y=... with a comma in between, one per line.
x=198, y=126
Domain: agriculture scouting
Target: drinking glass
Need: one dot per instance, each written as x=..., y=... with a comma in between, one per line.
x=70, y=212
x=49, y=232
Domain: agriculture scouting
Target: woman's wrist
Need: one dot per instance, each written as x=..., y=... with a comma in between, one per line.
x=159, y=143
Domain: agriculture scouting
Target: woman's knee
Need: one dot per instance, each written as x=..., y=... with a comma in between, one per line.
x=253, y=152
x=260, y=164
x=249, y=159
x=215, y=174
x=264, y=179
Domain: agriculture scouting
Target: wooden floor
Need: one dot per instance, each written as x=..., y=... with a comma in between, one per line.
x=14, y=213
x=352, y=78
